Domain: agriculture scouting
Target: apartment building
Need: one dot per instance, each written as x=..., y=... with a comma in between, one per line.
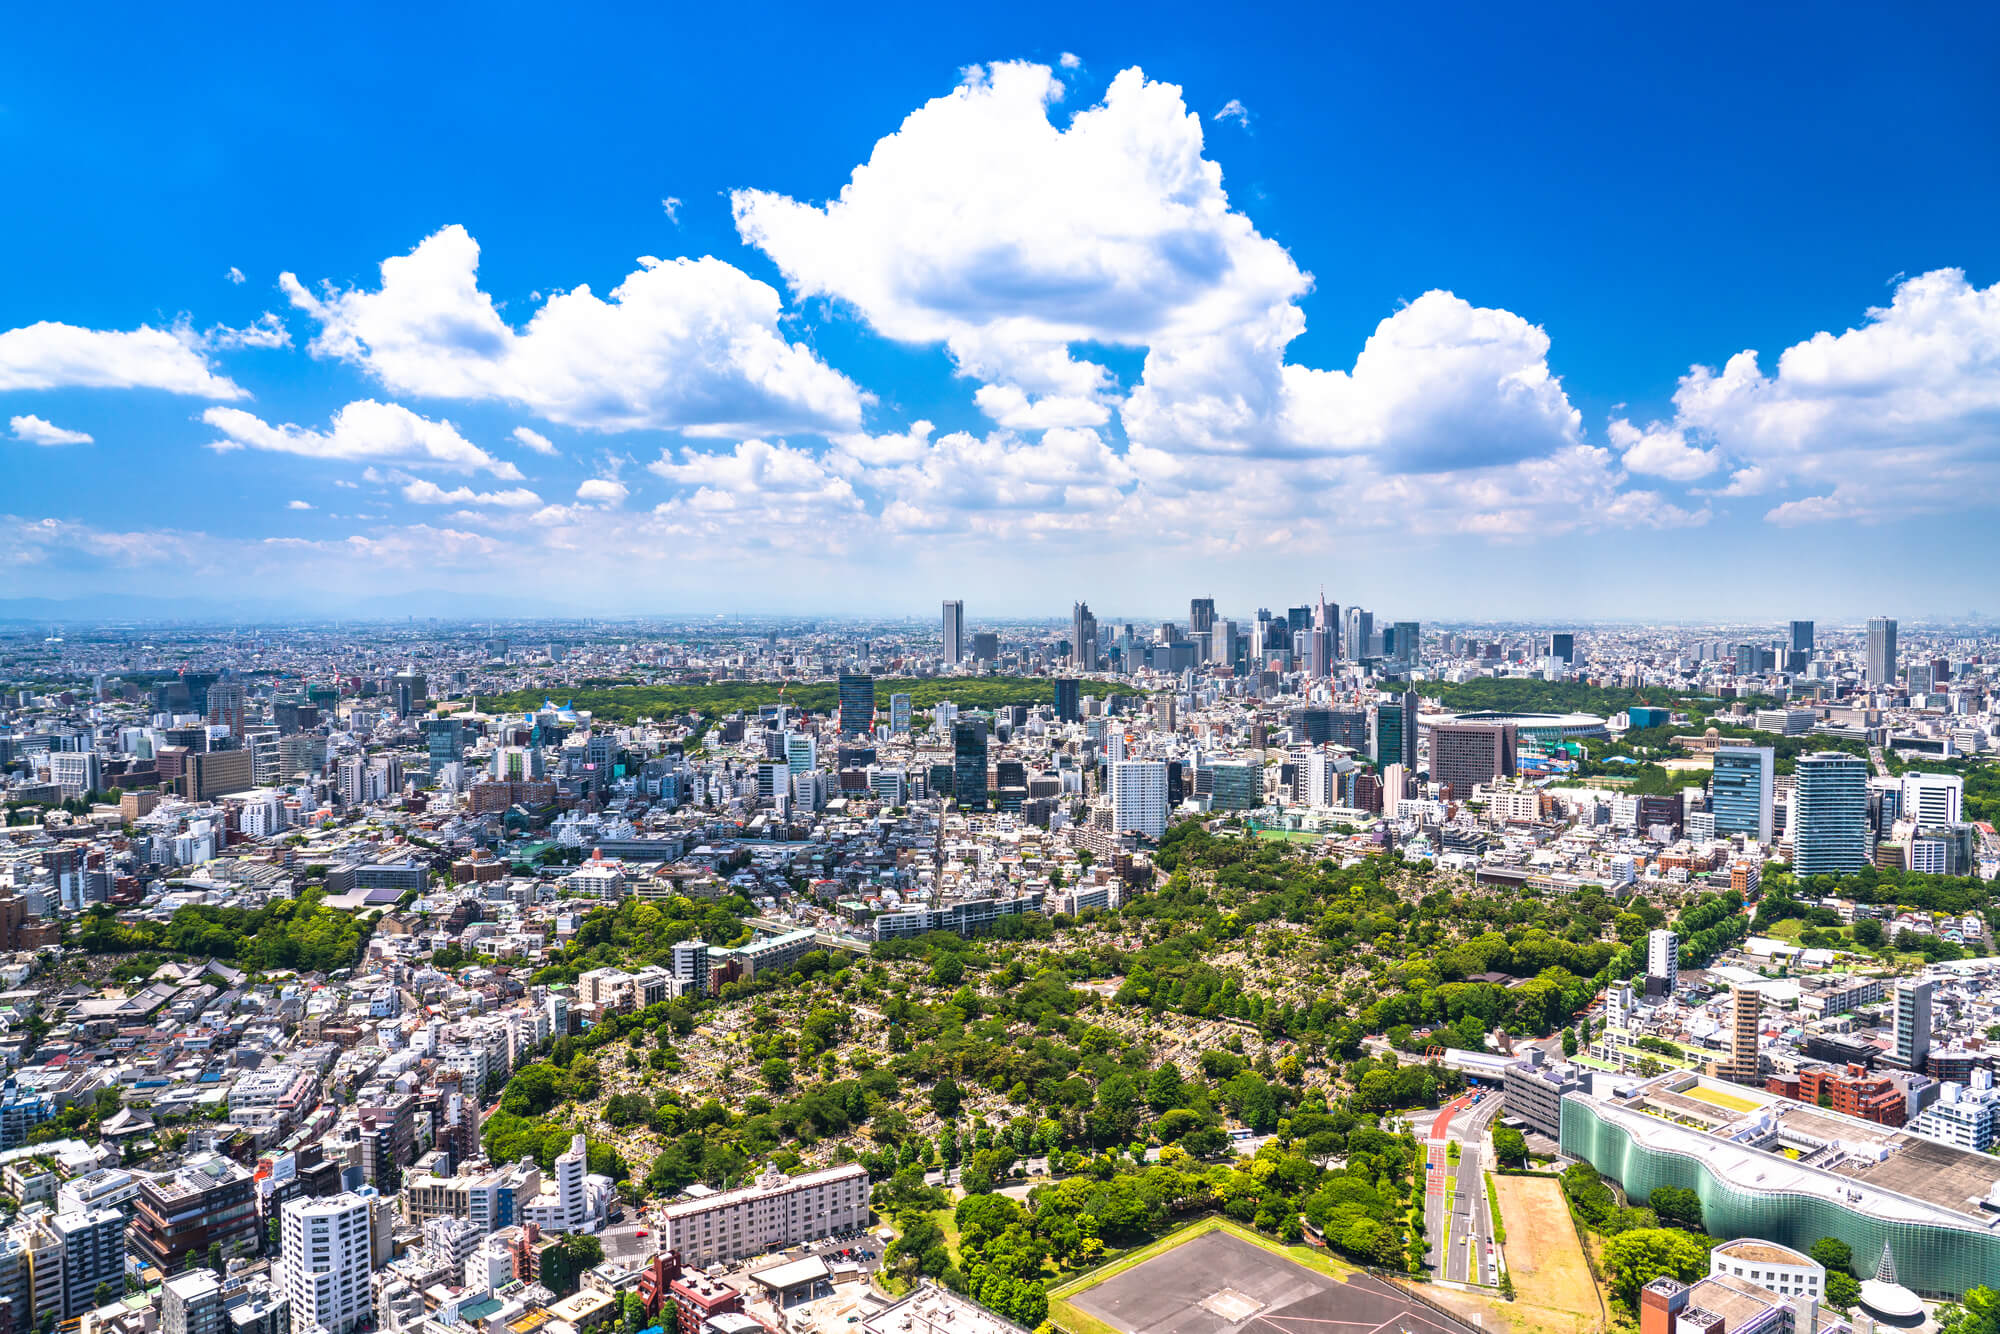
x=774, y=1212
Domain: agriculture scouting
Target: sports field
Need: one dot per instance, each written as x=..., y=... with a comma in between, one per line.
x=1717, y=1098
x=1219, y=1278
x=1552, y=1282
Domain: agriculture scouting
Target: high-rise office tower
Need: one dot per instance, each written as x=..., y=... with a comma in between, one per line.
x=1913, y=1022
x=1067, y=709
x=1222, y=642
x=1395, y=739
x=899, y=712
x=1562, y=647
x=1359, y=630
x=327, y=1261
x=1881, y=667
x=1298, y=620
x=1802, y=637
x=857, y=701
x=954, y=633
x=1409, y=643
x=445, y=738
x=968, y=764
x=1139, y=796
x=1319, y=653
x=1201, y=616
x=1083, y=637
x=985, y=646
x=1326, y=616
x=1663, y=962
x=1742, y=791
x=1829, y=821
x=1469, y=755
x=227, y=702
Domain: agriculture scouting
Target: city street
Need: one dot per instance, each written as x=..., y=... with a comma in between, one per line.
x=1457, y=1215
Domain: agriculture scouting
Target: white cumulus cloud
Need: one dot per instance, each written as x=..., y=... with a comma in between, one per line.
x=535, y=440
x=1234, y=110
x=235, y=275
x=1899, y=415
x=422, y=491
x=365, y=429
x=603, y=491
x=298, y=505
x=40, y=431
x=49, y=355
x=687, y=344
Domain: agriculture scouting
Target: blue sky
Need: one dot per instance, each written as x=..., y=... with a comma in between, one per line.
x=1404, y=304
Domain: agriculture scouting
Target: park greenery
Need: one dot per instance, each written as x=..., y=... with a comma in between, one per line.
x=284, y=934
x=626, y=704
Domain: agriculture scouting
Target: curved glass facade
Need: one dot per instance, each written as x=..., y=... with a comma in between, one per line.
x=1936, y=1260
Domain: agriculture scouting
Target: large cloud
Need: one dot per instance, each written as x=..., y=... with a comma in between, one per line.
x=1898, y=416
x=983, y=225
x=62, y=356
x=363, y=430
x=688, y=344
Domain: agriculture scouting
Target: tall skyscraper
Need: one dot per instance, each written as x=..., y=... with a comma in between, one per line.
x=1663, y=962
x=1139, y=796
x=968, y=764
x=857, y=698
x=1881, y=667
x=1469, y=755
x=899, y=712
x=954, y=633
x=1829, y=823
x=1201, y=616
x=1562, y=647
x=1802, y=637
x=326, y=1262
x=1359, y=630
x=1083, y=637
x=1409, y=643
x=1067, y=710
x=1742, y=791
x=1395, y=728
x=1913, y=1022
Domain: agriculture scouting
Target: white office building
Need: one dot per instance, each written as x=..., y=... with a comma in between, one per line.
x=325, y=1262
x=1933, y=799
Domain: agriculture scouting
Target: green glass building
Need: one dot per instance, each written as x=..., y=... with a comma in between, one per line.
x=1943, y=1242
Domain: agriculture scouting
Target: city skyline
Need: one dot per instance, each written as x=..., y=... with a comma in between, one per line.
x=1047, y=299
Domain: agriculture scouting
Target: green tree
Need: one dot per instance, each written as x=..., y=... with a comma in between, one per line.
x=1635, y=1258
x=776, y=1074
x=1842, y=1289
x=1834, y=1253
x=1677, y=1206
x=1510, y=1145
x=1978, y=1313
x=946, y=1097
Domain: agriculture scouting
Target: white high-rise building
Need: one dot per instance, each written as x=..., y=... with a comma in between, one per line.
x=325, y=1262
x=562, y=1205
x=1139, y=796
x=1663, y=959
x=1933, y=799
